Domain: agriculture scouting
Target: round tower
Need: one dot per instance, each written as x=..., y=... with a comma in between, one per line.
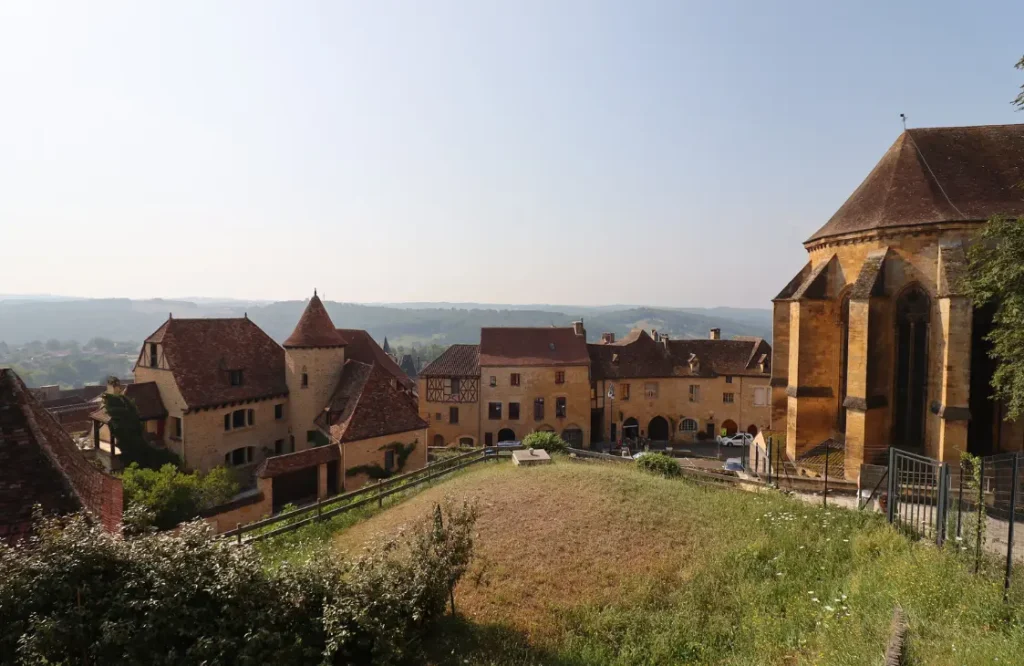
x=314, y=356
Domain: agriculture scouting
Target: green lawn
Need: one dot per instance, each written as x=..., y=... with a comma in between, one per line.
x=592, y=563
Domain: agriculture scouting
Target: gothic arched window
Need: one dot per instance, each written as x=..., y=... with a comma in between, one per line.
x=844, y=355
x=913, y=310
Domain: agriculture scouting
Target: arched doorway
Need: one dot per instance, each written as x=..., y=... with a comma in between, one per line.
x=506, y=435
x=913, y=309
x=573, y=435
x=730, y=427
x=657, y=429
x=438, y=440
x=466, y=441
x=752, y=430
x=630, y=428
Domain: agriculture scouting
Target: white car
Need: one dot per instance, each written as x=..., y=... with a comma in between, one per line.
x=739, y=439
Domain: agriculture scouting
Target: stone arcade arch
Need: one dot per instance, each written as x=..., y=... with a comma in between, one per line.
x=658, y=430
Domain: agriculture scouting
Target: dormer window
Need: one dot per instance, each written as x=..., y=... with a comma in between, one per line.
x=694, y=363
x=152, y=355
x=235, y=377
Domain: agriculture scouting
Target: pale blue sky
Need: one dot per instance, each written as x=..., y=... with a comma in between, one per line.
x=667, y=153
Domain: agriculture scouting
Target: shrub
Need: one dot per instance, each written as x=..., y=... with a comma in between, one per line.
x=658, y=463
x=74, y=594
x=547, y=440
x=170, y=496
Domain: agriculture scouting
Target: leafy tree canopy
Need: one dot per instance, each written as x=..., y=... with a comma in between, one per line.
x=995, y=276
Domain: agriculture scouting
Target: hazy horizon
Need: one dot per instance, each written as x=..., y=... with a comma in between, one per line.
x=573, y=152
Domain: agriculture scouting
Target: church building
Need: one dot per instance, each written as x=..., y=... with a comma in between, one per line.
x=875, y=344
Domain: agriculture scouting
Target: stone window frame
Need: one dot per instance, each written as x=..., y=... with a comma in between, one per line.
x=683, y=423
x=728, y=398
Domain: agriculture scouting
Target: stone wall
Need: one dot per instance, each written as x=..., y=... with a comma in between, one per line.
x=323, y=368
x=205, y=440
x=535, y=382
x=673, y=404
x=368, y=452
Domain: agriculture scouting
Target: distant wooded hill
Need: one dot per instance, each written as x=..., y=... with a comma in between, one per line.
x=25, y=320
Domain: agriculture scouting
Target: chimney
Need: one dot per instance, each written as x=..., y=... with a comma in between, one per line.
x=577, y=327
x=664, y=340
x=654, y=334
x=715, y=334
x=607, y=338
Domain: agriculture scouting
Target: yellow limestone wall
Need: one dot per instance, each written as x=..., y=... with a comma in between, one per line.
x=535, y=382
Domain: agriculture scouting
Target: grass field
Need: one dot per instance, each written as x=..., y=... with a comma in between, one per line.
x=590, y=563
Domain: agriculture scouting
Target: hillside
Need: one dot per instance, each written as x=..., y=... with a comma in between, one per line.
x=25, y=319
x=581, y=563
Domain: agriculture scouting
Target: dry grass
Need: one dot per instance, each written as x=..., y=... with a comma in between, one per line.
x=553, y=537
x=594, y=563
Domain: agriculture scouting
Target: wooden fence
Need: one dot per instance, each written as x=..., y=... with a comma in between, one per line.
x=288, y=521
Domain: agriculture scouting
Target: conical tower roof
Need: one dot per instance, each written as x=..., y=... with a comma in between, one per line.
x=315, y=328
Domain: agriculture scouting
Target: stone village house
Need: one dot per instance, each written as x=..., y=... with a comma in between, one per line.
x=296, y=418
x=875, y=344
x=518, y=380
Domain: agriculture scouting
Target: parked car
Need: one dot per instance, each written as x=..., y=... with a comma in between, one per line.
x=733, y=465
x=739, y=439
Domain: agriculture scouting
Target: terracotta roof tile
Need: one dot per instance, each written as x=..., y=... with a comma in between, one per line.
x=532, y=347
x=363, y=348
x=366, y=404
x=456, y=361
x=638, y=355
x=290, y=462
x=723, y=357
x=202, y=352
x=40, y=464
x=145, y=395
x=977, y=168
x=315, y=328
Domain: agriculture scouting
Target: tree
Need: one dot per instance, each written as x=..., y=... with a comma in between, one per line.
x=53, y=344
x=100, y=344
x=995, y=276
x=127, y=430
x=170, y=496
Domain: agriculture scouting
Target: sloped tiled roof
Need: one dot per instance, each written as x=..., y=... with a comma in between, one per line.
x=291, y=462
x=408, y=366
x=638, y=355
x=537, y=346
x=315, y=328
x=40, y=464
x=146, y=396
x=456, y=361
x=723, y=357
x=363, y=348
x=966, y=174
x=365, y=404
x=201, y=352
